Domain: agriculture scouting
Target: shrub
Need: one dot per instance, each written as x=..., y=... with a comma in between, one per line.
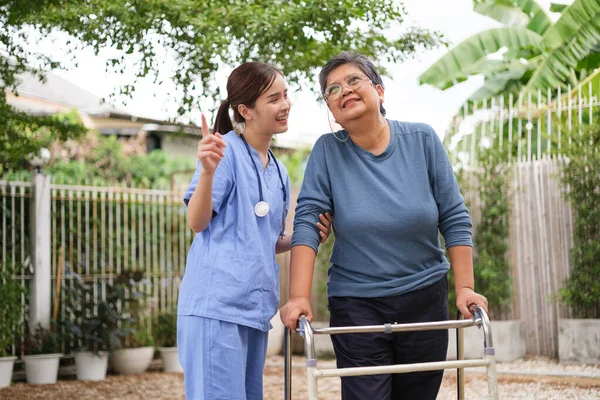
x=581, y=177
x=10, y=309
x=164, y=329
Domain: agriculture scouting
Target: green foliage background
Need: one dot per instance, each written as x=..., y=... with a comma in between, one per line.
x=10, y=310
x=491, y=262
x=201, y=37
x=581, y=177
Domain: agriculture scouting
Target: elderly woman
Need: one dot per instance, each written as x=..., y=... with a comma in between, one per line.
x=391, y=189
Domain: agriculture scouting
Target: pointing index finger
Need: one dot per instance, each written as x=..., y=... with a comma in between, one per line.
x=205, y=130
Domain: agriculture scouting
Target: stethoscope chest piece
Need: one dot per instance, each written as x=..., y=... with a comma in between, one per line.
x=261, y=209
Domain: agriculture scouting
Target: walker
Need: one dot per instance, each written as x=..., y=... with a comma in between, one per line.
x=313, y=373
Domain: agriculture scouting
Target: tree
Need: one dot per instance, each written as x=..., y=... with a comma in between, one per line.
x=22, y=135
x=202, y=36
x=539, y=54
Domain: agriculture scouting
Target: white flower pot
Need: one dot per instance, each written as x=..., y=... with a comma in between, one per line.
x=41, y=369
x=170, y=359
x=90, y=366
x=132, y=361
x=6, y=369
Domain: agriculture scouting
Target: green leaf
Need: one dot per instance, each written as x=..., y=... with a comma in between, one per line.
x=453, y=66
x=503, y=13
x=557, y=8
x=497, y=83
x=593, y=80
x=568, y=41
x=590, y=62
x=523, y=13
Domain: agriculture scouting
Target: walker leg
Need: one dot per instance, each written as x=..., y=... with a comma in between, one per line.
x=489, y=353
x=287, y=365
x=306, y=331
x=491, y=377
x=460, y=372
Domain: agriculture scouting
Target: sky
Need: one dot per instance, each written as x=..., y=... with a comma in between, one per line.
x=404, y=98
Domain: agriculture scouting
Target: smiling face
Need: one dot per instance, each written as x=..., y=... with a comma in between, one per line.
x=271, y=111
x=350, y=94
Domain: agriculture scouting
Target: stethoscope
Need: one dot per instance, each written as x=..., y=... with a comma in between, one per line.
x=261, y=208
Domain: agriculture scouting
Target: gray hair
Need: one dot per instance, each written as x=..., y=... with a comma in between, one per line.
x=357, y=59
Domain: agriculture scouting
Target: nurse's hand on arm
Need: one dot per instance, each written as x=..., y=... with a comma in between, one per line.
x=301, y=274
x=210, y=152
x=324, y=226
x=461, y=260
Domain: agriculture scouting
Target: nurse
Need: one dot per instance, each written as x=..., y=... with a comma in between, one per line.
x=237, y=203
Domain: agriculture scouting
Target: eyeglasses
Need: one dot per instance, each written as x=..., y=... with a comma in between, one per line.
x=353, y=81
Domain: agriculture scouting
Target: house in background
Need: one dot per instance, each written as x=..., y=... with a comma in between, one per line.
x=57, y=95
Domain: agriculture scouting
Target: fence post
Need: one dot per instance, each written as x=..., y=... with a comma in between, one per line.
x=39, y=307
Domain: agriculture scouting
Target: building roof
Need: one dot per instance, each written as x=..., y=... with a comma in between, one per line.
x=60, y=91
x=56, y=93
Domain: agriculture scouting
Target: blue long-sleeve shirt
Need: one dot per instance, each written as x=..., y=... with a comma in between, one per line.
x=387, y=208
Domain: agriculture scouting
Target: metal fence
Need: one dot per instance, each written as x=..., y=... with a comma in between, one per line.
x=100, y=232
x=15, y=243
x=533, y=126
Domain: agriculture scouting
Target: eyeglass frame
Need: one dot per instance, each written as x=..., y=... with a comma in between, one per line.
x=366, y=78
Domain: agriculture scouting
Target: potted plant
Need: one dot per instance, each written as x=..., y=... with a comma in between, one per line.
x=94, y=326
x=137, y=344
x=164, y=330
x=136, y=354
x=42, y=356
x=10, y=320
x=578, y=337
x=492, y=267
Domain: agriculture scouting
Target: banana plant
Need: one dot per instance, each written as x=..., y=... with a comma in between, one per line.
x=574, y=37
x=536, y=54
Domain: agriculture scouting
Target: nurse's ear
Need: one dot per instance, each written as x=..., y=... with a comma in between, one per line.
x=244, y=112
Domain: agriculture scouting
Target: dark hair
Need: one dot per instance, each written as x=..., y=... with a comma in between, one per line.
x=244, y=86
x=357, y=59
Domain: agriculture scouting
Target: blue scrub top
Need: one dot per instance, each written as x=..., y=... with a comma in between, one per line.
x=231, y=273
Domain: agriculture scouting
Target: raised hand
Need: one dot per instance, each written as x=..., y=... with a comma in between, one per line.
x=210, y=148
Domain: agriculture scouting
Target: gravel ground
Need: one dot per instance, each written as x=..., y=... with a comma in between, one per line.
x=538, y=379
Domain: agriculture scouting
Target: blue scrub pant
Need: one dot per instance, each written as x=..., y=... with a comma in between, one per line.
x=221, y=360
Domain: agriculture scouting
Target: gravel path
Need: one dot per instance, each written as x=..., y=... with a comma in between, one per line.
x=518, y=380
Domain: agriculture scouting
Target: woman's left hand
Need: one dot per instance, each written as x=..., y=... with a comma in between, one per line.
x=466, y=297
x=324, y=226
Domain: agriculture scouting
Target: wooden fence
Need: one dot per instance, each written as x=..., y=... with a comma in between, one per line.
x=541, y=237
